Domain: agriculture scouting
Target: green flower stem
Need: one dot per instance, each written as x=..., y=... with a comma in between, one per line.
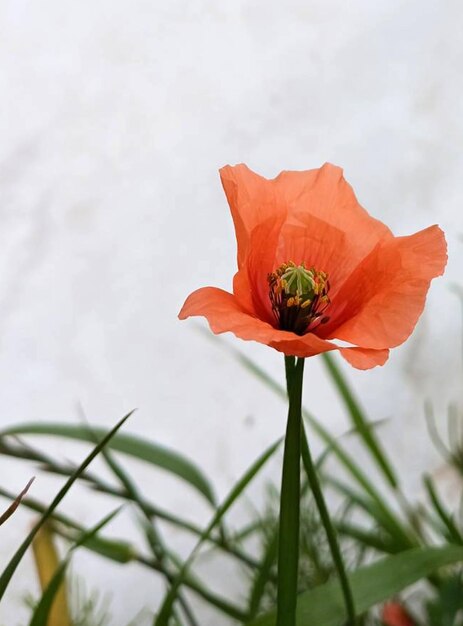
x=288, y=538
x=314, y=483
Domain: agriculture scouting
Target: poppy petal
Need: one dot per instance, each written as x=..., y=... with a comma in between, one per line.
x=321, y=245
x=364, y=358
x=378, y=283
x=251, y=199
x=385, y=295
x=323, y=193
x=394, y=614
x=250, y=284
x=304, y=346
x=224, y=313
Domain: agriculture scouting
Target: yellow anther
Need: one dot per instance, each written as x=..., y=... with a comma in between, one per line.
x=299, y=296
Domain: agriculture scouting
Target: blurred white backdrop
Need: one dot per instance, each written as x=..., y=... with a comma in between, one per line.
x=114, y=119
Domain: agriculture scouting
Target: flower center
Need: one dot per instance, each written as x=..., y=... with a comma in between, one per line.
x=299, y=297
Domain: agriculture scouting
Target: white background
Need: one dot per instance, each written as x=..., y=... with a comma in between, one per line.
x=114, y=119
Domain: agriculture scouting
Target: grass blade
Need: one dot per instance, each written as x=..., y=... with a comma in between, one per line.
x=363, y=427
x=164, y=614
x=315, y=487
x=16, y=502
x=10, y=569
x=49, y=465
x=160, y=551
x=263, y=575
x=454, y=534
x=122, y=552
x=41, y=614
x=115, y=549
x=371, y=539
x=152, y=534
x=131, y=445
x=381, y=515
x=332, y=444
x=47, y=563
x=323, y=606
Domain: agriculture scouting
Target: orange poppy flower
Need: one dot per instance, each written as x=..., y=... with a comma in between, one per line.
x=314, y=266
x=395, y=615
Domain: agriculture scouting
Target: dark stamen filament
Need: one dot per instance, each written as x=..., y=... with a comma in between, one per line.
x=299, y=297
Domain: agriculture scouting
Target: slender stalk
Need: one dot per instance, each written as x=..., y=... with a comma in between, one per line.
x=329, y=528
x=153, y=536
x=65, y=527
x=288, y=539
x=291, y=378
x=49, y=465
x=193, y=584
